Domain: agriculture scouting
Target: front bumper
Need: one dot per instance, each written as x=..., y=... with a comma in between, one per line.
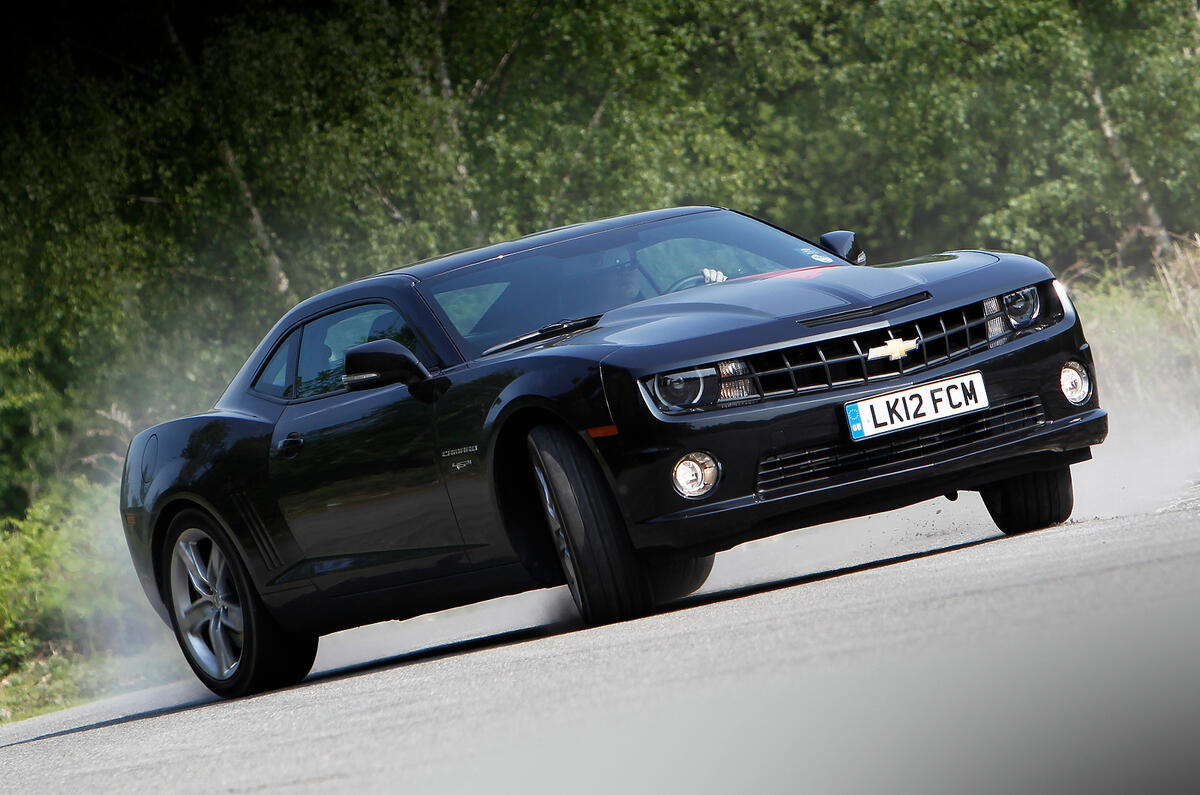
x=639, y=460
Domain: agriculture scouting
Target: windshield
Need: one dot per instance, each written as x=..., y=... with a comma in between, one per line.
x=496, y=301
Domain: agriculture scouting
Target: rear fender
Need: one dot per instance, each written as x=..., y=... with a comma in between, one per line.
x=211, y=462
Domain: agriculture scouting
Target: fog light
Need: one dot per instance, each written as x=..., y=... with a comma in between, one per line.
x=1076, y=386
x=695, y=474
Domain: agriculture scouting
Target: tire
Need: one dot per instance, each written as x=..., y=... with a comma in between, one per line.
x=604, y=573
x=1030, y=501
x=227, y=636
x=674, y=578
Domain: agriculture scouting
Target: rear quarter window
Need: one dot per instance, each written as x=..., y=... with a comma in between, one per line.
x=278, y=377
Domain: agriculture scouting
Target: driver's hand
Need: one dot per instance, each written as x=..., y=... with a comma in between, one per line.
x=713, y=275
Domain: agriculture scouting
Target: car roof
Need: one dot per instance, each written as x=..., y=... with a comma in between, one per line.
x=448, y=262
x=460, y=259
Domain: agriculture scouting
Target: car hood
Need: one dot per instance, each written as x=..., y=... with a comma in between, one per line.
x=798, y=295
x=754, y=313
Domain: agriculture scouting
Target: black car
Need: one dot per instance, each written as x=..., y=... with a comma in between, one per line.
x=604, y=405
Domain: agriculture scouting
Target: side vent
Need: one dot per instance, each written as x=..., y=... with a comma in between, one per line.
x=258, y=530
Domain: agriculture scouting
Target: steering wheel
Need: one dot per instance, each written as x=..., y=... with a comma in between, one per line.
x=695, y=280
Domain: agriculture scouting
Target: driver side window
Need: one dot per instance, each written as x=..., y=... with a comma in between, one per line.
x=325, y=341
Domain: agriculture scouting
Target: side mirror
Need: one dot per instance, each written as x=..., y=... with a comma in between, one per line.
x=381, y=362
x=844, y=245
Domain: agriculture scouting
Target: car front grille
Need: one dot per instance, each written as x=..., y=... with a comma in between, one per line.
x=778, y=473
x=843, y=361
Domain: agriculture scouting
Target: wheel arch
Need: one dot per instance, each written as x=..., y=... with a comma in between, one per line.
x=566, y=392
x=165, y=515
x=513, y=488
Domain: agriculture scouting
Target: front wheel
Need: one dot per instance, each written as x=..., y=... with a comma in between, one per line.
x=604, y=573
x=674, y=578
x=227, y=636
x=1030, y=501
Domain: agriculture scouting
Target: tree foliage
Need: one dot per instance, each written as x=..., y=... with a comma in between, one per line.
x=167, y=192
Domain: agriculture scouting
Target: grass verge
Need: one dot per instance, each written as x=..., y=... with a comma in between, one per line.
x=61, y=680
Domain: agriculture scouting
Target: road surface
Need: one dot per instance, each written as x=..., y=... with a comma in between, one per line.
x=911, y=652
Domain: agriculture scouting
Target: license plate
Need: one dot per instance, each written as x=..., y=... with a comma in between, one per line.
x=906, y=408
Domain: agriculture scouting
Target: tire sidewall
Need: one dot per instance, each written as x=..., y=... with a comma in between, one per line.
x=555, y=482
x=611, y=576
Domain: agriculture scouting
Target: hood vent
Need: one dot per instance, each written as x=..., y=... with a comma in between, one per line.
x=866, y=311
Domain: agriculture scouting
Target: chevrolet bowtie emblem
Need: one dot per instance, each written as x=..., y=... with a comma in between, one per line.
x=893, y=349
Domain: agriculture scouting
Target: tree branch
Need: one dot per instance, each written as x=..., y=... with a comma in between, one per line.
x=577, y=155
x=452, y=117
x=212, y=277
x=1152, y=222
x=1192, y=52
x=443, y=72
x=129, y=197
x=276, y=277
x=389, y=207
x=481, y=87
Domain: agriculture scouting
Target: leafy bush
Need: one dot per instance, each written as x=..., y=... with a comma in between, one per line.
x=56, y=681
x=66, y=584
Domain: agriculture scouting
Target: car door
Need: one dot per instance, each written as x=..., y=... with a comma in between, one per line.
x=355, y=473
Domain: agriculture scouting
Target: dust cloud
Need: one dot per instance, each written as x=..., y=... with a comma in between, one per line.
x=144, y=651
x=1151, y=459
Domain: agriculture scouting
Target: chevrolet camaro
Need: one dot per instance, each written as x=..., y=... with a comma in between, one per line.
x=604, y=405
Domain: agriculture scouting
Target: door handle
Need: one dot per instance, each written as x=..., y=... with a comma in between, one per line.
x=289, y=446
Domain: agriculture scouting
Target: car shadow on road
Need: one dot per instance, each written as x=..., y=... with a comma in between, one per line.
x=752, y=589
x=565, y=626
x=174, y=709
x=525, y=635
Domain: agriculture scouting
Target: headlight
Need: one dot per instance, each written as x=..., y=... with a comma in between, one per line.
x=687, y=388
x=1022, y=307
x=731, y=382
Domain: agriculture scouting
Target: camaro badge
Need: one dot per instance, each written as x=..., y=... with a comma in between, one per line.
x=893, y=349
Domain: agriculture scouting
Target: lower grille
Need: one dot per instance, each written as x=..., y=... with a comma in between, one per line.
x=778, y=473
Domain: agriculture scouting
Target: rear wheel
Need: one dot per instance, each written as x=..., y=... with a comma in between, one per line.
x=605, y=575
x=1030, y=501
x=227, y=636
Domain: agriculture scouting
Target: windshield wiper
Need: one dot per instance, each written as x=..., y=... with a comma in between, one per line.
x=549, y=330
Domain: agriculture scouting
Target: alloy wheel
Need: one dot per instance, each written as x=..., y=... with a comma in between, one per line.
x=207, y=604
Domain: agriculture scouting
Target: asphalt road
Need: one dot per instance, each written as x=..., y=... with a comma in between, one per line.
x=911, y=652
